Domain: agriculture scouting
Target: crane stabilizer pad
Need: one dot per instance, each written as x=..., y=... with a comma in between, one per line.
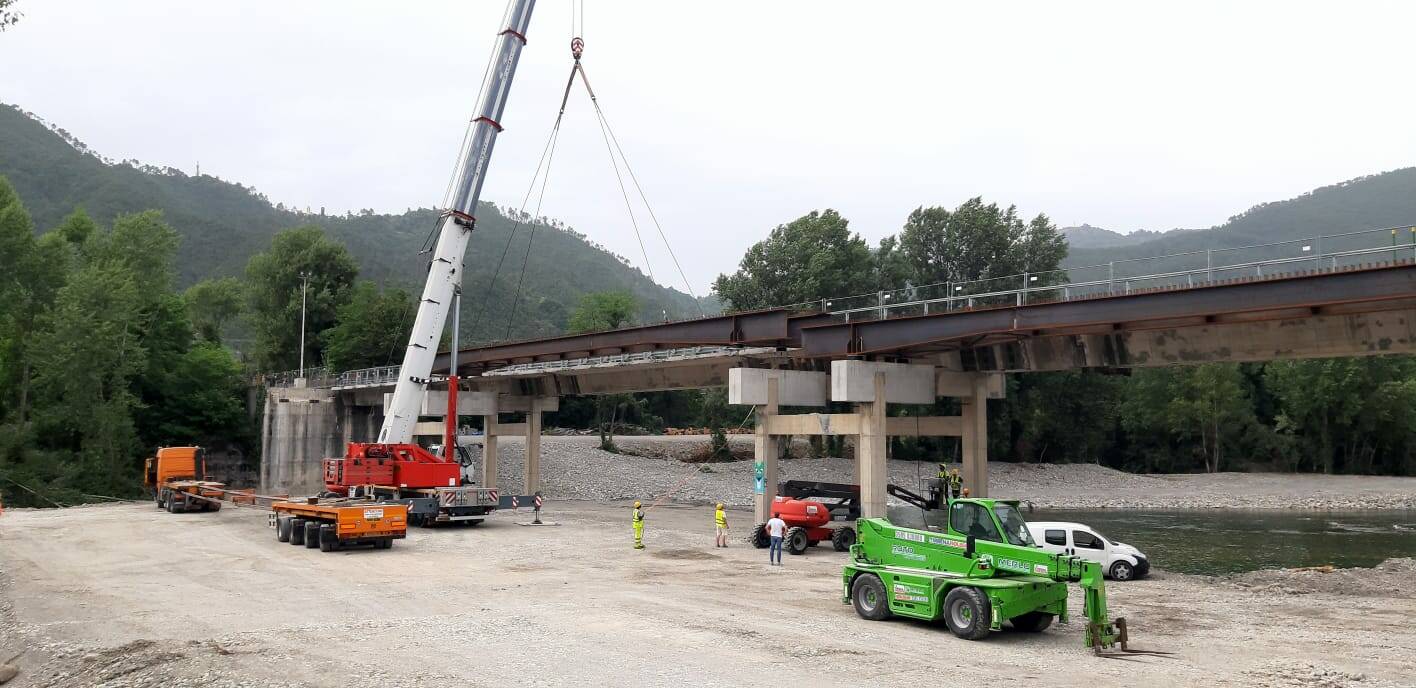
x=542, y=523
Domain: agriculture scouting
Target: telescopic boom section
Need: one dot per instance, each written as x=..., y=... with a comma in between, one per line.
x=444, y=274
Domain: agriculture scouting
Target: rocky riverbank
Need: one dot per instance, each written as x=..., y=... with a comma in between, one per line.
x=573, y=467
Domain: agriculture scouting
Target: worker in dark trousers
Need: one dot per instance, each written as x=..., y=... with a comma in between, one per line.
x=638, y=526
x=776, y=530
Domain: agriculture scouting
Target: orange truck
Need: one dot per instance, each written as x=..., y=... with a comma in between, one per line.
x=177, y=478
x=336, y=523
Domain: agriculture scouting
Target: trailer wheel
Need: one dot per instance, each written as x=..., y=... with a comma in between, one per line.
x=797, y=540
x=312, y=534
x=385, y=543
x=843, y=538
x=1032, y=622
x=282, y=528
x=329, y=539
x=968, y=613
x=868, y=597
x=759, y=538
x=297, y=531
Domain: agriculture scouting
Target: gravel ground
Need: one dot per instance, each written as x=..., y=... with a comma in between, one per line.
x=124, y=595
x=575, y=468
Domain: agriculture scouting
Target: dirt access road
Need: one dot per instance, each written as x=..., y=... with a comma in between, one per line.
x=126, y=595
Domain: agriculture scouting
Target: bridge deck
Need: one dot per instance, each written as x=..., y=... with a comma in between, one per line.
x=1356, y=289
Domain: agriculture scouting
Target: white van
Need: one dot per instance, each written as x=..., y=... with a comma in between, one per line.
x=1118, y=559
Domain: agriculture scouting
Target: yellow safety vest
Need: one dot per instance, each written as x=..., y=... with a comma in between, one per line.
x=720, y=518
x=638, y=516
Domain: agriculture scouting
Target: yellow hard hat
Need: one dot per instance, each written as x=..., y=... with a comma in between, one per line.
x=956, y=471
x=720, y=505
x=636, y=505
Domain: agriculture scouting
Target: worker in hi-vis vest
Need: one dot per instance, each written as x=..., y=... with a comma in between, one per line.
x=720, y=523
x=638, y=527
x=956, y=484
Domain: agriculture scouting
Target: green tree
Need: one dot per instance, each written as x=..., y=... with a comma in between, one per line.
x=1348, y=413
x=608, y=311
x=9, y=16
x=199, y=401
x=274, y=294
x=212, y=304
x=978, y=241
x=1063, y=416
x=808, y=259
x=86, y=359
x=1202, y=410
x=603, y=311
x=370, y=329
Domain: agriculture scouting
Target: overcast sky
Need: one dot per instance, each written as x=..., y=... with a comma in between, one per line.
x=738, y=116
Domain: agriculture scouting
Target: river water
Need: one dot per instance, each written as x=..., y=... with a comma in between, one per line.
x=1228, y=541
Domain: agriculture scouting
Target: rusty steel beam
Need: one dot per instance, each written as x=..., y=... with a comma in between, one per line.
x=754, y=328
x=1370, y=288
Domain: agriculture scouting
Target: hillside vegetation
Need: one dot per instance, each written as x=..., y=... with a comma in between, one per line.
x=222, y=224
x=1371, y=202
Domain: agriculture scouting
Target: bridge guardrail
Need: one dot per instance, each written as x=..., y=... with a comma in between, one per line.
x=1177, y=270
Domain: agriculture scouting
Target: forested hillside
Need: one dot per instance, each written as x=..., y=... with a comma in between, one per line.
x=222, y=224
x=1372, y=202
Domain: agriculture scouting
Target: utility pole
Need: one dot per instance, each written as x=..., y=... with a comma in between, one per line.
x=304, y=283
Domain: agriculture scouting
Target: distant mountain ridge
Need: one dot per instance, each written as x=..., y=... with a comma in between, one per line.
x=1374, y=201
x=223, y=223
x=1087, y=236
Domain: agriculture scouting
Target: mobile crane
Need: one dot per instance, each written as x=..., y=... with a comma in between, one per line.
x=395, y=467
x=976, y=572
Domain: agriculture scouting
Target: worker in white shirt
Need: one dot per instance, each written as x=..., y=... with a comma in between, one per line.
x=776, y=530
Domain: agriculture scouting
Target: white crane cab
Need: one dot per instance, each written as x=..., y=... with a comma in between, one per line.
x=1118, y=560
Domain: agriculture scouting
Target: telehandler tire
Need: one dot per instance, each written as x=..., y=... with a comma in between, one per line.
x=759, y=538
x=312, y=534
x=282, y=528
x=843, y=538
x=797, y=540
x=297, y=531
x=1032, y=622
x=868, y=597
x=968, y=613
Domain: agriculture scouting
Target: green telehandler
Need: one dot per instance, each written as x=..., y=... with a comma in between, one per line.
x=977, y=571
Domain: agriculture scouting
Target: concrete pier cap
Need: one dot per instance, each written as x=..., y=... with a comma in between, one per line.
x=794, y=387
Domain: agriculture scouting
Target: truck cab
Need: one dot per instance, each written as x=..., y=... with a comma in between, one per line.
x=174, y=463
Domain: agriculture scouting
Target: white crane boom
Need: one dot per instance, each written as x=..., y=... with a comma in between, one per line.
x=444, y=273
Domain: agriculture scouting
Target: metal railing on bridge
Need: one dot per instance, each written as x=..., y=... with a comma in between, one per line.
x=320, y=378
x=1177, y=270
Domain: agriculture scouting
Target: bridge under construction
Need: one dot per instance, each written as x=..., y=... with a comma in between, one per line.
x=884, y=349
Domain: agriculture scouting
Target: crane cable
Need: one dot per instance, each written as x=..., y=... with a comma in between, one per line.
x=612, y=146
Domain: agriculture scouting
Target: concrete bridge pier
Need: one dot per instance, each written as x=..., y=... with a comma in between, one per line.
x=490, y=449
x=871, y=387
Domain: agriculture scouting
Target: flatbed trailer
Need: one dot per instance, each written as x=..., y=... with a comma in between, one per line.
x=190, y=495
x=429, y=506
x=334, y=524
